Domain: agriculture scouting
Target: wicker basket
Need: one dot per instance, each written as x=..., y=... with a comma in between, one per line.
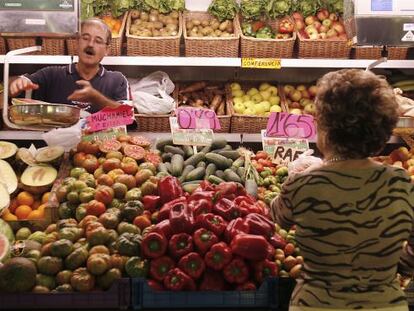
x=15, y=43
x=407, y=134
x=3, y=49
x=210, y=46
x=156, y=46
x=266, y=48
x=367, y=52
x=246, y=123
x=323, y=48
x=397, y=52
x=53, y=46
x=115, y=48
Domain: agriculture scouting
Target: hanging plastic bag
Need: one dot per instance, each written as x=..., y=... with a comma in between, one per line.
x=405, y=104
x=67, y=137
x=150, y=95
x=304, y=163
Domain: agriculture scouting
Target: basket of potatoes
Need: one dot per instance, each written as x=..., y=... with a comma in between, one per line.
x=153, y=33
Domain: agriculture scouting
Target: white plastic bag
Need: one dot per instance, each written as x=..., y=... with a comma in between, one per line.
x=150, y=95
x=405, y=104
x=67, y=137
x=304, y=163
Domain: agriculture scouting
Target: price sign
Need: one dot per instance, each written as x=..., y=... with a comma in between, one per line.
x=104, y=135
x=191, y=137
x=109, y=118
x=284, y=150
x=282, y=124
x=192, y=118
x=261, y=63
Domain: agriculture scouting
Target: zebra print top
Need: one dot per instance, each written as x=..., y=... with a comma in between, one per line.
x=351, y=225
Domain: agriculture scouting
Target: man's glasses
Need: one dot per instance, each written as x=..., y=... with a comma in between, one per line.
x=97, y=40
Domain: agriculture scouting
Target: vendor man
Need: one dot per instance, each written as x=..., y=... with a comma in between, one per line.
x=87, y=83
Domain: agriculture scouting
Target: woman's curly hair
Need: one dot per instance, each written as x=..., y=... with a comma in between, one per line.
x=357, y=110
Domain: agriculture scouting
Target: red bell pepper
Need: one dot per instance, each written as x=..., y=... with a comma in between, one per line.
x=277, y=241
x=260, y=225
x=169, y=189
x=200, y=195
x=218, y=256
x=228, y=190
x=180, y=245
x=250, y=246
x=258, y=25
x=235, y=227
x=181, y=218
x=212, y=280
x=202, y=206
x=246, y=286
x=154, y=285
x=264, y=209
x=227, y=209
x=265, y=268
x=164, y=227
x=193, y=265
x=204, y=239
x=236, y=271
x=205, y=186
x=247, y=205
x=165, y=209
x=214, y=223
x=151, y=202
x=154, y=245
x=159, y=267
x=177, y=280
x=271, y=252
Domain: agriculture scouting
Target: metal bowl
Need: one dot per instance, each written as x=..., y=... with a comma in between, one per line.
x=44, y=115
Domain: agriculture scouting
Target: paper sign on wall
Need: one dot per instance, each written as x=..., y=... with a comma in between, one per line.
x=192, y=118
x=191, y=137
x=261, y=63
x=282, y=124
x=109, y=118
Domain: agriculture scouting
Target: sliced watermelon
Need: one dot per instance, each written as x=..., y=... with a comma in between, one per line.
x=135, y=152
x=4, y=248
x=140, y=141
x=109, y=145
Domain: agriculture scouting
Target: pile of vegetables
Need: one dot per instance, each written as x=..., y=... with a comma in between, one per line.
x=154, y=23
x=163, y=6
x=223, y=9
x=93, y=8
x=276, y=8
x=308, y=7
x=211, y=27
x=263, y=30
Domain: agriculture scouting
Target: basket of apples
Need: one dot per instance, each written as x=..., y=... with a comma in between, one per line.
x=299, y=99
x=321, y=35
x=266, y=31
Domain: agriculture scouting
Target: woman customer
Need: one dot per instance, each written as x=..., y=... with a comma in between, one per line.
x=352, y=215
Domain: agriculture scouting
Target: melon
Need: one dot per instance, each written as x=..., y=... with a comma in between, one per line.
x=24, y=158
x=4, y=198
x=17, y=275
x=6, y=230
x=8, y=176
x=7, y=150
x=4, y=248
x=38, y=178
x=50, y=155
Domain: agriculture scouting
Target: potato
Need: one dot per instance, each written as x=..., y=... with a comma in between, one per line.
x=169, y=20
x=173, y=33
x=171, y=27
x=224, y=25
x=189, y=25
x=144, y=16
x=215, y=25
x=154, y=12
x=195, y=29
x=229, y=28
x=196, y=22
x=206, y=31
x=217, y=32
x=135, y=14
x=153, y=18
x=205, y=23
x=156, y=33
x=225, y=35
x=137, y=22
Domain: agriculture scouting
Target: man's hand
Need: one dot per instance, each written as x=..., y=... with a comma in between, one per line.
x=86, y=94
x=21, y=84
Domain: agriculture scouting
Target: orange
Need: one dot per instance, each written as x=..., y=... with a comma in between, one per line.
x=45, y=197
x=42, y=208
x=9, y=217
x=13, y=205
x=36, y=204
x=23, y=211
x=36, y=214
x=25, y=198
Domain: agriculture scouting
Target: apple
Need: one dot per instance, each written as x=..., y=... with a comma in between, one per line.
x=310, y=109
x=297, y=15
x=257, y=98
x=295, y=111
x=327, y=23
x=333, y=17
x=322, y=35
x=317, y=25
x=295, y=96
x=267, y=114
x=274, y=100
x=403, y=154
x=313, y=90
x=235, y=86
x=322, y=14
x=237, y=93
x=309, y=20
x=412, y=179
x=264, y=86
x=259, y=109
x=239, y=108
x=238, y=100
x=299, y=24
x=301, y=87
x=410, y=162
x=275, y=108
x=311, y=30
x=343, y=36
x=331, y=33
x=266, y=105
x=273, y=90
x=249, y=104
x=339, y=27
x=265, y=94
x=323, y=29
x=305, y=94
x=305, y=101
x=246, y=98
x=288, y=89
x=295, y=105
x=252, y=91
x=249, y=111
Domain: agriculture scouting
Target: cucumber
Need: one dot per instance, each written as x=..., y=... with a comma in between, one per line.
x=195, y=159
x=239, y=162
x=162, y=174
x=240, y=172
x=202, y=164
x=219, y=174
x=215, y=180
x=188, y=151
x=230, y=154
x=228, y=147
x=195, y=174
x=234, y=169
x=251, y=187
x=206, y=149
x=210, y=170
x=174, y=150
x=177, y=165
x=220, y=161
x=166, y=157
x=161, y=143
x=168, y=166
x=218, y=143
x=162, y=168
x=185, y=172
x=189, y=188
x=197, y=182
x=230, y=175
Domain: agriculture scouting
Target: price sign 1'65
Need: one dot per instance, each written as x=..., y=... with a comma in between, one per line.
x=284, y=124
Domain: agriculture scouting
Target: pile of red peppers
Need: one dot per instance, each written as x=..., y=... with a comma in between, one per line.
x=217, y=238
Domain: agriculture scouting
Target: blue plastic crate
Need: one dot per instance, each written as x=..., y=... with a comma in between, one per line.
x=143, y=297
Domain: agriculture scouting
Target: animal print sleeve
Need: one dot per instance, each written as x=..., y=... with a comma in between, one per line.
x=281, y=206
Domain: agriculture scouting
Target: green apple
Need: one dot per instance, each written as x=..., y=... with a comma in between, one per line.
x=275, y=108
x=257, y=98
x=249, y=111
x=288, y=89
x=273, y=90
x=310, y=109
x=295, y=111
x=238, y=100
x=265, y=94
x=246, y=98
x=274, y=100
x=235, y=86
x=237, y=93
x=267, y=114
x=266, y=105
x=305, y=101
x=301, y=87
x=295, y=96
x=239, y=108
x=252, y=91
x=259, y=109
x=264, y=86
x=249, y=104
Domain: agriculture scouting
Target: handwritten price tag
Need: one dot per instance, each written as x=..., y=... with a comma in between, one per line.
x=191, y=137
x=192, y=118
x=109, y=118
x=261, y=63
x=284, y=124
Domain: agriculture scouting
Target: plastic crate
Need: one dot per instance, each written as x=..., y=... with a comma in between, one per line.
x=285, y=290
x=117, y=297
x=143, y=297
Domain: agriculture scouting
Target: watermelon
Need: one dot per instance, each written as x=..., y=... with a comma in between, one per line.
x=4, y=248
x=6, y=230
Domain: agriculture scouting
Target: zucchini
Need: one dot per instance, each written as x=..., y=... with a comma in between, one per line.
x=220, y=161
x=177, y=165
x=251, y=187
x=196, y=174
x=185, y=172
x=162, y=168
x=240, y=172
x=239, y=162
x=201, y=164
x=168, y=166
x=215, y=180
x=218, y=143
x=166, y=157
x=174, y=150
x=210, y=170
x=228, y=147
x=195, y=159
x=230, y=154
x=220, y=174
x=230, y=175
x=206, y=149
x=161, y=143
x=188, y=151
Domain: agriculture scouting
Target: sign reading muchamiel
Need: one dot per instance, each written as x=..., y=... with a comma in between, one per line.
x=109, y=118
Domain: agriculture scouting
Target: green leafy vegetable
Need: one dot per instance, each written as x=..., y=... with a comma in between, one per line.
x=119, y=7
x=87, y=9
x=252, y=9
x=276, y=8
x=177, y=5
x=223, y=9
x=335, y=6
x=307, y=7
